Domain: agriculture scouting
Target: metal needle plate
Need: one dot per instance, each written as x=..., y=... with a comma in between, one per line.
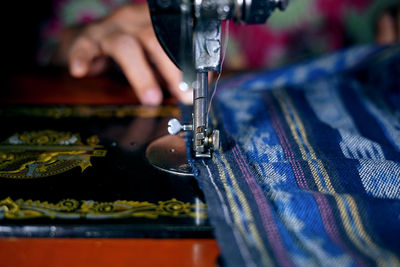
x=168, y=153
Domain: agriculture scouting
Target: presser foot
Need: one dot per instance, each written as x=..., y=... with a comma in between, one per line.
x=168, y=153
x=204, y=141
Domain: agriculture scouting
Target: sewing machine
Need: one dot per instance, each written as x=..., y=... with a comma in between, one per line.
x=190, y=33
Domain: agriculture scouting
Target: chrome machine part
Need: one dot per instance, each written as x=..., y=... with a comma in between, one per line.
x=190, y=33
x=200, y=104
x=207, y=45
x=175, y=127
x=174, y=21
x=168, y=154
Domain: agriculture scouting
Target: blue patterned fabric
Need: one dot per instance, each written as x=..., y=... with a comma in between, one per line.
x=309, y=169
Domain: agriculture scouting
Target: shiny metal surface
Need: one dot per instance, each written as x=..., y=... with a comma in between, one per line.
x=200, y=104
x=175, y=127
x=207, y=45
x=168, y=153
x=190, y=33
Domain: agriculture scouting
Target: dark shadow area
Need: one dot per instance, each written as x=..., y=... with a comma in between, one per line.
x=21, y=22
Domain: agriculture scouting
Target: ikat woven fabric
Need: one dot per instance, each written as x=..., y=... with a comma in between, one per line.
x=309, y=169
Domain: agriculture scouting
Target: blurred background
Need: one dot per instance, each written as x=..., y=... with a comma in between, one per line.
x=21, y=22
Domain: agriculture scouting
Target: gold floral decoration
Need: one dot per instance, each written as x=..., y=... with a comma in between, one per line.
x=89, y=209
x=34, y=154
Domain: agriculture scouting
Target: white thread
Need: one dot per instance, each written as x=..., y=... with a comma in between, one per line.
x=226, y=40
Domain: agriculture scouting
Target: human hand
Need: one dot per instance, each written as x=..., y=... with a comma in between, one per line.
x=388, y=26
x=128, y=38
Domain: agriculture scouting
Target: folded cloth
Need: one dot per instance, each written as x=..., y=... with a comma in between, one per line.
x=309, y=169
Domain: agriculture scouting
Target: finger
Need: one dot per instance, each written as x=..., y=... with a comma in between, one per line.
x=386, y=29
x=98, y=66
x=169, y=72
x=81, y=55
x=127, y=52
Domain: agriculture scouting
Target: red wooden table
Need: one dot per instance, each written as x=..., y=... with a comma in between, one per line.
x=107, y=252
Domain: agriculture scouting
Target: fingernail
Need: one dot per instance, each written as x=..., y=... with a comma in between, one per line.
x=152, y=97
x=77, y=67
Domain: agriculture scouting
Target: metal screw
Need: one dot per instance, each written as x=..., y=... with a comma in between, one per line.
x=174, y=127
